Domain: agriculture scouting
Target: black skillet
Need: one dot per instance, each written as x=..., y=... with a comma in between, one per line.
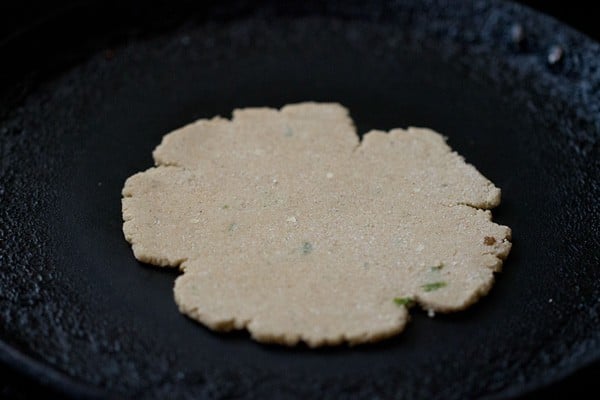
x=517, y=93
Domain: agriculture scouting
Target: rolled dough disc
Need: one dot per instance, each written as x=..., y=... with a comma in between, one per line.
x=284, y=224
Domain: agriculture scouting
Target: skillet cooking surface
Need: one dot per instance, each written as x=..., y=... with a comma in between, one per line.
x=78, y=309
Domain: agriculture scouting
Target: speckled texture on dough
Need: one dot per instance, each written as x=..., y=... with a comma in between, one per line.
x=286, y=225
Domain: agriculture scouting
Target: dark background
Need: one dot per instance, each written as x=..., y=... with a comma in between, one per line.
x=24, y=20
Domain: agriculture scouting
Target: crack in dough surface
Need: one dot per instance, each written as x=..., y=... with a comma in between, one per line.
x=284, y=224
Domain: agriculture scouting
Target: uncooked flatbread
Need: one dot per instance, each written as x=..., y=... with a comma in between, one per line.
x=284, y=224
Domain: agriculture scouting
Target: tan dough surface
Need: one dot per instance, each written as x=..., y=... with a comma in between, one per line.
x=286, y=225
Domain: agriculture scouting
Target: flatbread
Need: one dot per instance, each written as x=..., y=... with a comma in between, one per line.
x=286, y=225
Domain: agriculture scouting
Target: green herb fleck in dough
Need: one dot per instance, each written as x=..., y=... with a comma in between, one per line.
x=225, y=207
x=306, y=248
x=430, y=287
x=437, y=267
x=404, y=301
x=232, y=227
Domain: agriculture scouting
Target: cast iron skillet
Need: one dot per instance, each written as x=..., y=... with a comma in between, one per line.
x=78, y=312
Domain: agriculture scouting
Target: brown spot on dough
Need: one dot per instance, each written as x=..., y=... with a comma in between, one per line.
x=489, y=240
